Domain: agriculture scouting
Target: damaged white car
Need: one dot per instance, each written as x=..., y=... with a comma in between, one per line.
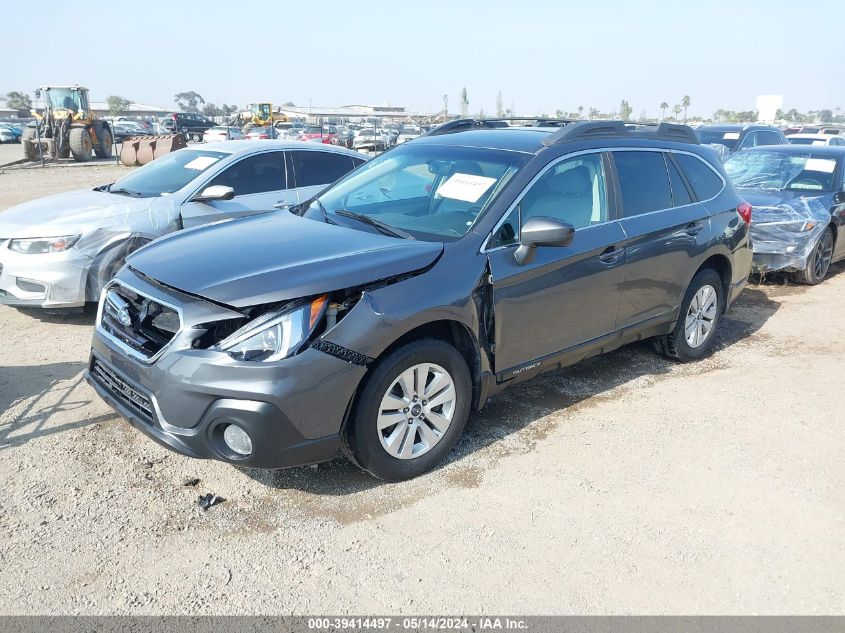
x=58, y=252
x=798, y=196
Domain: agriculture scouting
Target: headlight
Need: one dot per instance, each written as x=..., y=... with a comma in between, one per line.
x=40, y=245
x=275, y=335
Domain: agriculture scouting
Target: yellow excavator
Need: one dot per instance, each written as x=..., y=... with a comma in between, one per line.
x=66, y=126
x=260, y=115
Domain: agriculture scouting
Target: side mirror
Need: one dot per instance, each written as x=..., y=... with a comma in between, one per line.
x=541, y=231
x=839, y=198
x=214, y=192
x=283, y=204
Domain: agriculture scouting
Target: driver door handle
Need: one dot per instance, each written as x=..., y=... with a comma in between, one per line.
x=611, y=254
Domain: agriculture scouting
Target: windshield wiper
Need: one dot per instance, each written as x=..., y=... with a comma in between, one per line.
x=381, y=226
x=103, y=187
x=126, y=192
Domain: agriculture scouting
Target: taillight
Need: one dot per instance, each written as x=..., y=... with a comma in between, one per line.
x=744, y=211
x=174, y=117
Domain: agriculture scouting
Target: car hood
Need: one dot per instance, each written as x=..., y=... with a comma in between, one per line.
x=277, y=257
x=69, y=213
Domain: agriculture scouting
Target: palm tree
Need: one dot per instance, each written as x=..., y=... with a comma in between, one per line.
x=677, y=110
x=685, y=102
x=663, y=106
x=581, y=112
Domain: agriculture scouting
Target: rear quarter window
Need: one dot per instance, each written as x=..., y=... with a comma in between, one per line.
x=705, y=182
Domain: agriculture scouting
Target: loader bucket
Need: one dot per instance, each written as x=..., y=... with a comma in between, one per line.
x=146, y=148
x=129, y=152
x=170, y=143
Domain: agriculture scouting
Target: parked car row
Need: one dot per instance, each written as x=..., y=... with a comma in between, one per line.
x=10, y=133
x=373, y=315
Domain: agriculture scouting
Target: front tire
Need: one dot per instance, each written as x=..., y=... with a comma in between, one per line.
x=819, y=261
x=81, y=145
x=411, y=411
x=698, y=319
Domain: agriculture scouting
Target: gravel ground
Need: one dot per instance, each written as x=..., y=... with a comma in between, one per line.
x=626, y=484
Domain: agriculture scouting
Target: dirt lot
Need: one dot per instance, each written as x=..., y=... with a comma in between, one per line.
x=627, y=484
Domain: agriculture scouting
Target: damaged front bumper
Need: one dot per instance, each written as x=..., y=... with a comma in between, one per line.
x=50, y=280
x=184, y=398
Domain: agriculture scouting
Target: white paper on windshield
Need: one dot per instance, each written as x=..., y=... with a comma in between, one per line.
x=824, y=165
x=466, y=187
x=201, y=162
x=731, y=136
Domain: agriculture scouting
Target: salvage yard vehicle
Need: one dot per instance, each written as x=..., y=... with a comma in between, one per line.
x=222, y=133
x=816, y=139
x=10, y=133
x=190, y=124
x=66, y=126
x=383, y=310
x=798, y=195
x=58, y=252
x=737, y=136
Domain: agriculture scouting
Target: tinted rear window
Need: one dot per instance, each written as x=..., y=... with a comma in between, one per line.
x=319, y=168
x=704, y=180
x=643, y=181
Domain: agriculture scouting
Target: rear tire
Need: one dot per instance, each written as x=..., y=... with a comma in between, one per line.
x=422, y=434
x=104, y=147
x=819, y=261
x=698, y=319
x=81, y=145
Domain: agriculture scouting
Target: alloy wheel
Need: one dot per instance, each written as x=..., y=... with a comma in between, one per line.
x=416, y=411
x=824, y=253
x=701, y=316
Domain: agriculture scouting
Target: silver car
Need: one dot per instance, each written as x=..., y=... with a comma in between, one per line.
x=58, y=252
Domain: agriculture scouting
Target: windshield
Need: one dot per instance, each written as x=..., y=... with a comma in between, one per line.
x=432, y=192
x=64, y=99
x=262, y=110
x=728, y=139
x=780, y=171
x=169, y=173
x=313, y=129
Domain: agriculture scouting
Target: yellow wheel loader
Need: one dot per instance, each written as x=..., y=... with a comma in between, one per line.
x=66, y=126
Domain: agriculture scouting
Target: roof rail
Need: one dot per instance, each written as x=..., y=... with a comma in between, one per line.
x=459, y=125
x=581, y=130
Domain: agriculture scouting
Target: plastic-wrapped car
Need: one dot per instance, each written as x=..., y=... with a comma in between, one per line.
x=798, y=195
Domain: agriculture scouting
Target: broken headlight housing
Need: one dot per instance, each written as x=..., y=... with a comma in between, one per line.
x=41, y=245
x=276, y=334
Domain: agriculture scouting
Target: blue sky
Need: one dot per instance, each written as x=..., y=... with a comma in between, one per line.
x=542, y=55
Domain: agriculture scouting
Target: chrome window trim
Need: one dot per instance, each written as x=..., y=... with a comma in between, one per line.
x=484, y=245
x=120, y=344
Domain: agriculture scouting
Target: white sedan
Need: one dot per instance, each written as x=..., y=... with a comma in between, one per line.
x=58, y=252
x=222, y=133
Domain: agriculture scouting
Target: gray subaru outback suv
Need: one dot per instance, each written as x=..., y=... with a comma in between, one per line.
x=377, y=315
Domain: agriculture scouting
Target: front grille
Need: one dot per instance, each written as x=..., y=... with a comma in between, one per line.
x=141, y=323
x=122, y=390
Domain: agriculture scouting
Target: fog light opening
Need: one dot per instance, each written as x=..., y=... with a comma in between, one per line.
x=237, y=440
